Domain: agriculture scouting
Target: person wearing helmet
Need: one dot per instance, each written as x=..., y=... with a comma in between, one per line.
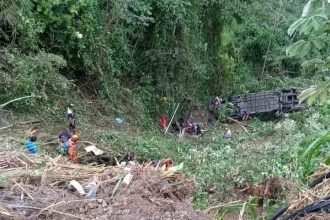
x=72, y=148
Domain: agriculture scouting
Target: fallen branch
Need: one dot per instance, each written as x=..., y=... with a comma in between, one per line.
x=18, y=99
x=239, y=123
x=7, y=127
x=87, y=142
x=234, y=120
x=242, y=212
x=222, y=205
x=26, y=192
x=37, y=208
x=29, y=122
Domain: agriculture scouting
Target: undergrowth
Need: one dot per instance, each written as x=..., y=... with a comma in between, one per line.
x=273, y=147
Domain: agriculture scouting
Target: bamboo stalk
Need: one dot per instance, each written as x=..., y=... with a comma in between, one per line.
x=169, y=124
x=18, y=99
x=242, y=212
x=222, y=205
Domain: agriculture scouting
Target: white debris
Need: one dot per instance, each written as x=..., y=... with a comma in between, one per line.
x=127, y=179
x=77, y=186
x=94, y=149
x=79, y=35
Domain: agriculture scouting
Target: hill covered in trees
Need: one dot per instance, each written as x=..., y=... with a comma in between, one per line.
x=136, y=59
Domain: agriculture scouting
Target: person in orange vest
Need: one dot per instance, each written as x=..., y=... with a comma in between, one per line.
x=72, y=148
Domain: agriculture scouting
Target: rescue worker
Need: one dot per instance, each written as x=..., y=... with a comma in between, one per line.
x=163, y=121
x=72, y=148
x=30, y=145
x=63, y=141
x=70, y=115
x=191, y=128
x=213, y=108
x=228, y=133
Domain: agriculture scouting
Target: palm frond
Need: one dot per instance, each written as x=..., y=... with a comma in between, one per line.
x=316, y=93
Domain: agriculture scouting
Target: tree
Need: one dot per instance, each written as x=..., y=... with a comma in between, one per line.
x=314, y=28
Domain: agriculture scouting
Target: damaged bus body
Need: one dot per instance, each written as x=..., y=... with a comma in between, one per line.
x=276, y=101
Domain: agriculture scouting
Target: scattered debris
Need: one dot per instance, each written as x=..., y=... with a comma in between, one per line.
x=127, y=179
x=77, y=186
x=119, y=120
x=94, y=149
x=314, y=199
x=210, y=188
x=35, y=189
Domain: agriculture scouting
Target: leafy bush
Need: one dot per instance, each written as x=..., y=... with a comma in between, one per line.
x=33, y=74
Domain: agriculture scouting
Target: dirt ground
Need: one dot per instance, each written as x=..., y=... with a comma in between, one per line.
x=36, y=187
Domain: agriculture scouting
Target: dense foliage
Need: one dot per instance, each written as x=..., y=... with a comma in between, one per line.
x=174, y=48
x=142, y=57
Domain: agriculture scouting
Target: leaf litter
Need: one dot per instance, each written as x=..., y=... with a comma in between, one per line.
x=38, y=187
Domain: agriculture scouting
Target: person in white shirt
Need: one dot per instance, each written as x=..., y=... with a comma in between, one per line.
x=228, y=133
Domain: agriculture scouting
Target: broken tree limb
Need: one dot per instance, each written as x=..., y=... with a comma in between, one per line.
x=24, y=190
x=241, y=124
x=7, y=127
x=242, y=212
x=18, y=99
x=55, y=211
x=220, y=206
x=169, y=124
x=29, y=122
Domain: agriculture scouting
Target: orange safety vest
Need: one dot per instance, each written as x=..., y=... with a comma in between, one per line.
x=71, y=151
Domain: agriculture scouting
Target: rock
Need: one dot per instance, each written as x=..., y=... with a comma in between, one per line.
x=110, y=210
x=167, y=214
x=104, y=204
x=107, y=200
x=95, y=212
x=92, y=205
x=107, y=172
x=126, y=211
x=100, y=201
x=81, y=210
x=104, y=217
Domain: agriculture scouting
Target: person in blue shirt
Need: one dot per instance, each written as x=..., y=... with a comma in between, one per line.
x=63, y=140
x=31, y=146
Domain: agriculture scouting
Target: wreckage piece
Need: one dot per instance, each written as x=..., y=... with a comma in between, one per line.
x=316, y=206
x=255, y=104
x=311, y=185
x=77, y=186
x=94, y=149
x=127, y=179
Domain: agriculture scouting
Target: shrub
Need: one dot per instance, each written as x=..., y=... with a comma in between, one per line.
x=32, y=74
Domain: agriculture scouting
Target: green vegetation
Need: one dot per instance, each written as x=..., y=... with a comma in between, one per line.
x=119, y=58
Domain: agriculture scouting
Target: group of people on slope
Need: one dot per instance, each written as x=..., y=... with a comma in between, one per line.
x=67, y=140
x=190, y=127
